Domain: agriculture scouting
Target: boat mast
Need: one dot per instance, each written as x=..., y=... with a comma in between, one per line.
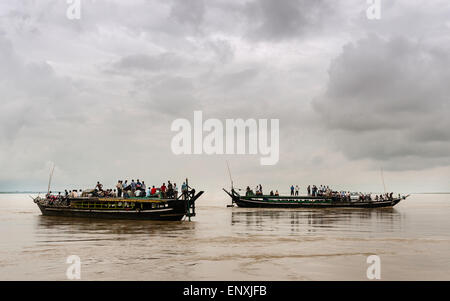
x=229, y=173
x=188, y=199
x=50, y=178
x=382, y=179
x=232, y=186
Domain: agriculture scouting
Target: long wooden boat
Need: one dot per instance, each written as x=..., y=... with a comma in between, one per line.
x=269, y=201
x=139, y=208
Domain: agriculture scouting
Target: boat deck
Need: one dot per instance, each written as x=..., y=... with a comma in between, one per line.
x=132, y=200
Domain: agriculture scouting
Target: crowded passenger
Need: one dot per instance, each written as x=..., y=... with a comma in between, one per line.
x=175, y=190
x=119, y=187
x=136, y=188
x=163, y=190
x=153, y=191
x=99, y=186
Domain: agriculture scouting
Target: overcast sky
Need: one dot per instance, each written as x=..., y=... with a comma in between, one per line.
x=96, y=96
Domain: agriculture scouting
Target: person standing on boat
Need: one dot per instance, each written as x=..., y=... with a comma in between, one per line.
x=175, y=190
x=99, y=186
x=297, y=189
x=163, y=190
x=153, y=191
x=169, y=189
x=119, y=187
x=292, y=189
x=133, y=188
x=138, y=185
x=309, y=189
x=144, y=188
x=184, y=190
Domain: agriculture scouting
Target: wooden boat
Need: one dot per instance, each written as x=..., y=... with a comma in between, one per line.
x=140, y=208
x=270, y=201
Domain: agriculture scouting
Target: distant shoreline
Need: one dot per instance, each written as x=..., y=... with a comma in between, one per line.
x=430, y=192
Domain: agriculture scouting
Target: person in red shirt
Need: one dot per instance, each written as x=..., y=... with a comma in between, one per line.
x=163, y=190
x=153, y=191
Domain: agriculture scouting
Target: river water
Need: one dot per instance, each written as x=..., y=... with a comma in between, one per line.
x=412, y=241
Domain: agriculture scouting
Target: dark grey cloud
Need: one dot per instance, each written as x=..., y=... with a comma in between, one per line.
x=389, y=99
x=188, y=12
x=279, y=20
x=28, y=90
x=223, y=50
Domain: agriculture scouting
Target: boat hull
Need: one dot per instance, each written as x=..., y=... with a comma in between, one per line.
x=114, y=208
x=170, y=214
x=252, y=203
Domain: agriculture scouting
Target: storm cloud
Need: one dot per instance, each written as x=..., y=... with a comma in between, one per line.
x=97, y=96
x=280, y=20
x=388, y=99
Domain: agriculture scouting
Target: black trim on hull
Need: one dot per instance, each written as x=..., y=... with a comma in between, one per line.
x=169, y=214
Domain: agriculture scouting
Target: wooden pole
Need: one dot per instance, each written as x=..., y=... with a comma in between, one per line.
x=188, y=200
x=229, y=173
x=382, y=179
x=50, y=178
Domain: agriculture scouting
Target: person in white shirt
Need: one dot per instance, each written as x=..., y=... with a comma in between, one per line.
x=175, y=190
